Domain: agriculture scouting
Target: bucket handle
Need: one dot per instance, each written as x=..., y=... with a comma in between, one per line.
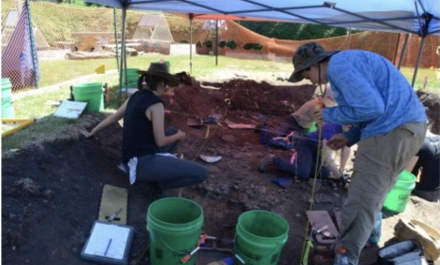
x=170, y=248
x=241, y=259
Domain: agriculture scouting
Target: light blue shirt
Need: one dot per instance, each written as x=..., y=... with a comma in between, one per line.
x=372, y=95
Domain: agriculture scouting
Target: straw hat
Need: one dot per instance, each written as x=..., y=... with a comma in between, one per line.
x=160, y=69
x=306, y=56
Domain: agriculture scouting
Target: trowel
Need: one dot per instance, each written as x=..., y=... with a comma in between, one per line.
x=210, y=159
x=282, y=182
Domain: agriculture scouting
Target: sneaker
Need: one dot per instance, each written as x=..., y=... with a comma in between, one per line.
x=265, y=163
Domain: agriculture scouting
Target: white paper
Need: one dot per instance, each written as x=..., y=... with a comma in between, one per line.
x=100, y=238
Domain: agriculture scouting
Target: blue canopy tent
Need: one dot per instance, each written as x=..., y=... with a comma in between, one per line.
x=420, y=17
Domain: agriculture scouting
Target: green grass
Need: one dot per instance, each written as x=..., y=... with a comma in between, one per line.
x=53, y=72
x=433, y=84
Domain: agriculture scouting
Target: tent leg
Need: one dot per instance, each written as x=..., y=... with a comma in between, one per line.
x=402, y=54
x=190, y=42
x=115, y=25
x=349, y=38
x=397, y=47
x=419, y=56
x=123, y=64
x=216, y=42
x=124, y=48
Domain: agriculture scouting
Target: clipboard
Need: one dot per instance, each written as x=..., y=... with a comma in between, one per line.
x=108, y=243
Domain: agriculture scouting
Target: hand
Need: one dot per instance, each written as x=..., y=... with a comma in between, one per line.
x=318, y=116
x=337, y=142
x=86, y=133
x=180, y=135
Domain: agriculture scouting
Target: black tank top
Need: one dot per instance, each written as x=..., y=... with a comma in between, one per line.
x=138, y=138
x=429, y=161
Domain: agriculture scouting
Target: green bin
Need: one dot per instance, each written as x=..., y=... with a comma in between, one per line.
x=132, y=78
x=174, y=225
x=7, y=106
x=398, y=197
x=260, y=237
x=93, y=94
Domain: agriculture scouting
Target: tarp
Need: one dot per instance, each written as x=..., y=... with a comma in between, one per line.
x=407, y=16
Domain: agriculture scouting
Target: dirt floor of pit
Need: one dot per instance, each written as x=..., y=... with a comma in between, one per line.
x=51, y=192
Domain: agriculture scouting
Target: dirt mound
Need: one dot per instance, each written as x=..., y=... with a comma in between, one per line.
x=238, y=94
x=51, y=192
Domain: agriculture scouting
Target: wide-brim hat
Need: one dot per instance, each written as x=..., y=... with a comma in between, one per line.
x=161, y=69
x=306, y=56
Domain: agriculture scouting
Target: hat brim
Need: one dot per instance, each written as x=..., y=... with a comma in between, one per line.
x=172, y=80
x=296, y=75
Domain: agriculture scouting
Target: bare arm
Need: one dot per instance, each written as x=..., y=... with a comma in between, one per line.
x=119, y=114
x=156, y=114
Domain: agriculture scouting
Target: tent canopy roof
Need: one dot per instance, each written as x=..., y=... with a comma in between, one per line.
x=407, y=16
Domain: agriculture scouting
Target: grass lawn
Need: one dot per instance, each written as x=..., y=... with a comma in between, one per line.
x=53, y=72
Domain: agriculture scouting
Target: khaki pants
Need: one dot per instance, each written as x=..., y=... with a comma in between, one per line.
x=378, y=162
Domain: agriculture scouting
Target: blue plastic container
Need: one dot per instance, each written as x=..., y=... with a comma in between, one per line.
x=375, y=234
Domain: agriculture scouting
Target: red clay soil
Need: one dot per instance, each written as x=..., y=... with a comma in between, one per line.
x=51, y=192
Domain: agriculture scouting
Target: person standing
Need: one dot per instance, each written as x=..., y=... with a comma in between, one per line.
x=389, y=125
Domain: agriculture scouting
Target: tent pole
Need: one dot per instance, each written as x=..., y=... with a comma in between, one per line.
x=397, y=47
x=115, y=25
x=349, y=37
x=121, y=65
x=124, y=49
x=419, y=56
x=216, y=42
x=191, y=15
x=405, y=43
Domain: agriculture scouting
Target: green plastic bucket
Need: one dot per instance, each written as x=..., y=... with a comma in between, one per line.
x=398, y=197
x=132, y=77
x=7, y=106
x=174, y=225
x=92, y=93
x=260, y=237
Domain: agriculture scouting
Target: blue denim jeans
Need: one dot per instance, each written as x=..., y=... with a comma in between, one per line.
x=169, y=172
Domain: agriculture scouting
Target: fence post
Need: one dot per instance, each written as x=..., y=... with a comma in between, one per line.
x=31, y=36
